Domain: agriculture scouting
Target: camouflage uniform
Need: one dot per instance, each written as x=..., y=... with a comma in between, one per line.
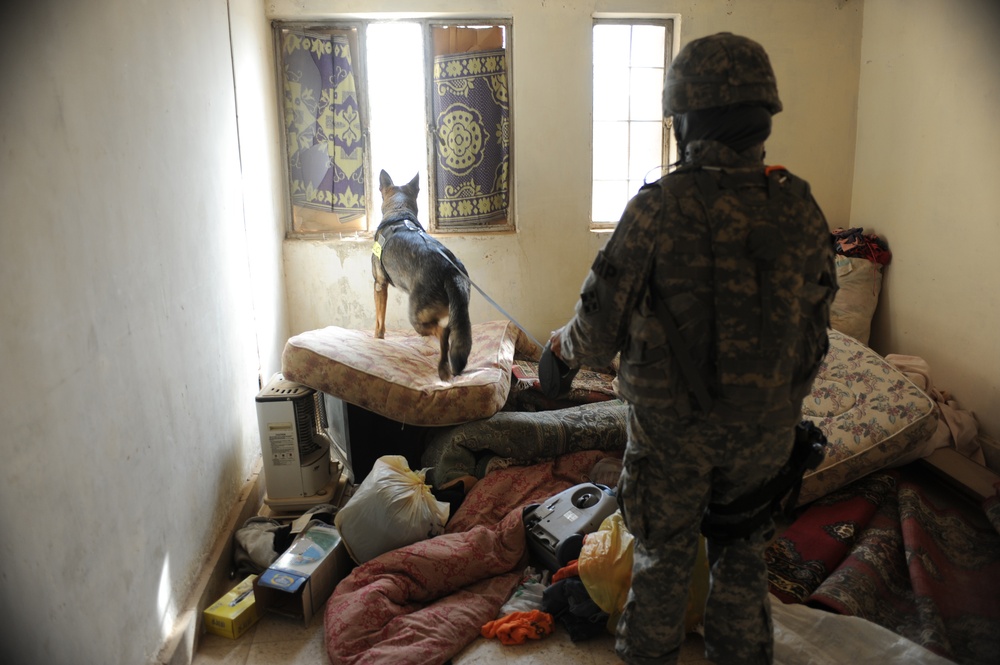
x=758, y=340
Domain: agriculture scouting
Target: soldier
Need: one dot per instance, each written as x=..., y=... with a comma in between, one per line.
x=715, y=288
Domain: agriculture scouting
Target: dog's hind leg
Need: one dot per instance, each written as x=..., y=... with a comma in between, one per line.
x=444, y=367
x=459, y=326
x=381, y=299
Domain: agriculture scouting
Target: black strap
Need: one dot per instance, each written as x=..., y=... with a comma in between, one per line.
x=758, y=506
x=696, y=382
x=389, y=227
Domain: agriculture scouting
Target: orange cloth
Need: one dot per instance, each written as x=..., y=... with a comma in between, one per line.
x=518, y=627
x=571, y=569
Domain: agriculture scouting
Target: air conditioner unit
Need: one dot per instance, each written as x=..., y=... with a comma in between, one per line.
x=298, y=470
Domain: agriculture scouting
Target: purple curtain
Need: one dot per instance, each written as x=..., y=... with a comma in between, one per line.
x=323, y=126
x=471, y=115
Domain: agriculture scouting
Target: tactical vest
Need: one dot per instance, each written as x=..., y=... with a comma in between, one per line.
x=739, y=308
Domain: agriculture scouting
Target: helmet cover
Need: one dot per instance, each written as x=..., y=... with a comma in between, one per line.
x=720, y=70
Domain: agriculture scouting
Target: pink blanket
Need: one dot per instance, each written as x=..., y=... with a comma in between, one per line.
x=423, y=603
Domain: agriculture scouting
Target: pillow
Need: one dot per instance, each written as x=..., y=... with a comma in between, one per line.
x=871, y=413
x=860, y=282
x=397, y=377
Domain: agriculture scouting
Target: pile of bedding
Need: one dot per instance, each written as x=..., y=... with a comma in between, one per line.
x=510, y=448
x=425, y=602
x=861, y=259
x=903, y=551
x=519, y=438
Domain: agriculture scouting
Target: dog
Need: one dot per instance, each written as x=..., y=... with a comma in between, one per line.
x=406, y=257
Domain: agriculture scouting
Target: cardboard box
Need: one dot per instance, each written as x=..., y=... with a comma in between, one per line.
x=299, y=582
x=234, y=613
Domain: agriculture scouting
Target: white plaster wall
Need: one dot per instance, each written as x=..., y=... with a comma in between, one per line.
x=127, y=337
x=926, y=179
x=536, y=272
x=264, y=198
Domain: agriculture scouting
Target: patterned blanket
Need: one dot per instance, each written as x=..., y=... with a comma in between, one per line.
x=520, y=438
x=899, y=549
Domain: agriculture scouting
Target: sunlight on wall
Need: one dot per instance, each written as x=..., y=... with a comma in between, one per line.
x=396, y=100
x=166, y=610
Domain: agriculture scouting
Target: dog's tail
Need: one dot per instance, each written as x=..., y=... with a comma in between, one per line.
x=459, y=325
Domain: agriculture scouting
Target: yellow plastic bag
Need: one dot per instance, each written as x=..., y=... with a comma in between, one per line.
x=605, y=565
x=694, y=615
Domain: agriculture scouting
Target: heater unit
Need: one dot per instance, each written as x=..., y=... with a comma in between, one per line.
x=298, y=469
x=555, y=528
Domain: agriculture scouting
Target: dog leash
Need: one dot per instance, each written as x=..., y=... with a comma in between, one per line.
x=488, y=299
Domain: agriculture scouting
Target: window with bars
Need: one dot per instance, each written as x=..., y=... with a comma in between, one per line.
x=425, y=97
x=632, y=140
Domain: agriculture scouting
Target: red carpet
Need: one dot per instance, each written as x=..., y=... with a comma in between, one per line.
x=902, y=550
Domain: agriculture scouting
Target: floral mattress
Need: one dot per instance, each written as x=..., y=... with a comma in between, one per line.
x=397, y=377
x=872, y=414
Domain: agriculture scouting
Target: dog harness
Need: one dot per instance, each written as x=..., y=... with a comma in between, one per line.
x=386, y=230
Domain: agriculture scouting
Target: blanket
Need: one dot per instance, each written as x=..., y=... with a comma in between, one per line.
x=903, y=551
x=587, y=386
x=423, y=603
x=522, y=438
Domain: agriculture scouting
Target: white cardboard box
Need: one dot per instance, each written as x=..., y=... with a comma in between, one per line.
x=299, y=582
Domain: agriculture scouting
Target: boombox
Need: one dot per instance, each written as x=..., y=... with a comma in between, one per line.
x=556, y=527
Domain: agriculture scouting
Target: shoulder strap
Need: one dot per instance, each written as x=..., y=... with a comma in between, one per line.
x=696, y=382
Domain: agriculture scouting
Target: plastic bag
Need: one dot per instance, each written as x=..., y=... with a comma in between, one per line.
x=606, y=571
x=606, y=566
x=694, y=614
x=528, y=594
x=391, y=508
x=606, y=472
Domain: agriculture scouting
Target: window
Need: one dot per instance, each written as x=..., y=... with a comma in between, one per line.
x=426, y=97
x=632, y=139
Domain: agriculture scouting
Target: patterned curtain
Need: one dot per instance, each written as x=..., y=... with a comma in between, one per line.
x=325, y=150
x=471, y=111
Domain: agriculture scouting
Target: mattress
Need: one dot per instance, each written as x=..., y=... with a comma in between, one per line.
x=397, y=377
x=872, y=414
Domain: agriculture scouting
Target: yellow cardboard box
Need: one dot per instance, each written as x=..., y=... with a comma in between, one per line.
x=234, y=613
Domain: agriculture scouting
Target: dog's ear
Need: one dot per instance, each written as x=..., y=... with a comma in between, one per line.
x=414, y=185
x=384, y=181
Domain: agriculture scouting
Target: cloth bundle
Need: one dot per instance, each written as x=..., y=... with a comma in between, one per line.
x=519, y=627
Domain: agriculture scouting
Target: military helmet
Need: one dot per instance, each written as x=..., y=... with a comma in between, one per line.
x=720, y=70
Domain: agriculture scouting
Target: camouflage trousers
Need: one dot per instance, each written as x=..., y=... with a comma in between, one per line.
x=672, y=470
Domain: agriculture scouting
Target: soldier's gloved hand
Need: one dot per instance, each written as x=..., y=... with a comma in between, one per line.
x=554, y=375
